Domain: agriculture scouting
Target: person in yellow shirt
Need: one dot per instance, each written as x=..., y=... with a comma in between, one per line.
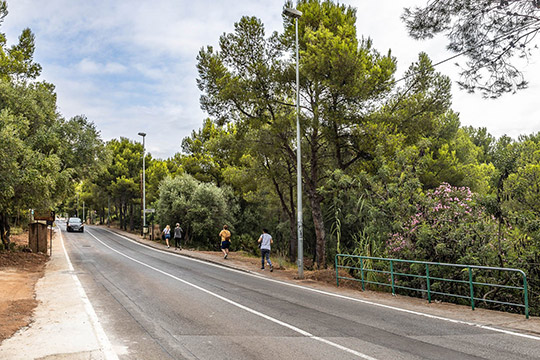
x=225, y=235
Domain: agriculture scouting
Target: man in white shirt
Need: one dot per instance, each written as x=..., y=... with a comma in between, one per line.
x=266, y=240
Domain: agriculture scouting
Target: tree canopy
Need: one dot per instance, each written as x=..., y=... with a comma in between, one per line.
x=492, y=34
x=43, y=155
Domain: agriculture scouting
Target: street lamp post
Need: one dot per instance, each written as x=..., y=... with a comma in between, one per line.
x=296, y=14
x=143, y=183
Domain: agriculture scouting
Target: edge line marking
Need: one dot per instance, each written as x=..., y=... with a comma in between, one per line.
x=102, y=338
x=436, y=317
x=243, y=307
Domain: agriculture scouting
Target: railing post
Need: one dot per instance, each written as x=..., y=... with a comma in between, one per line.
x=428, y=284
x=392, y=276
x=471, y=287
x=337, y=273
x=526, y=296
x=362, y=273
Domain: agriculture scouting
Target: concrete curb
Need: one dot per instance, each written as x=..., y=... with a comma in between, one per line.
x=160, y=247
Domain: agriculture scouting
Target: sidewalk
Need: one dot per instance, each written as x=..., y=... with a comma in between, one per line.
x=65, y=325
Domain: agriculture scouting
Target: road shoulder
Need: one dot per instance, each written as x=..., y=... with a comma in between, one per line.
x=62, y=326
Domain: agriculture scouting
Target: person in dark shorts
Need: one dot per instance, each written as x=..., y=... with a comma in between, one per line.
x=266, y=240
x=167, y=234
x=177, y=237
x=225, y=235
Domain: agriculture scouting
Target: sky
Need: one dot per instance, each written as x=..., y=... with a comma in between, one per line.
x=129, y=66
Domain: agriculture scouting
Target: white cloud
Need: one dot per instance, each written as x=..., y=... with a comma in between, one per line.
x=130, y=65
x=90, y=67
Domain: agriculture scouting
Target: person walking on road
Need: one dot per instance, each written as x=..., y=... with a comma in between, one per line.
x=266, y=241
x=167, y=234
x=177, y=237
x=225, y=235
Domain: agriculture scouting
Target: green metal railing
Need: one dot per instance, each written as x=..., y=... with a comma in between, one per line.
x=393, y=275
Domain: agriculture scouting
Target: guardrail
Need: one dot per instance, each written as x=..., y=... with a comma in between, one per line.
x=423, y=277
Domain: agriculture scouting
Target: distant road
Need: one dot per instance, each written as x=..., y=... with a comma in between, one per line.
x=157, y=305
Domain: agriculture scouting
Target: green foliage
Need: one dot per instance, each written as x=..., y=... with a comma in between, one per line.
x=250, y=82
x=200, y=208
x=42, y=154
x=449, y=226
x=489, y=34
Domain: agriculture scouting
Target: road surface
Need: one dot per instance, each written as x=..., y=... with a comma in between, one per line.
x=159, y=305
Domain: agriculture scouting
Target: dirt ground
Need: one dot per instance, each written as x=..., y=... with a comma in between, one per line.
x=19, y=273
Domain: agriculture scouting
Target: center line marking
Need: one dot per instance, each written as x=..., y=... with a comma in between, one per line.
x=255, y=312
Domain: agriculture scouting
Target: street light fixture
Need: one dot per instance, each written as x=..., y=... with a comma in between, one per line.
x=143, y=183
x=296, y=14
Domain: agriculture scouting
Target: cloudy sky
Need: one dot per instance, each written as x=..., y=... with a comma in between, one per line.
x=130, y=65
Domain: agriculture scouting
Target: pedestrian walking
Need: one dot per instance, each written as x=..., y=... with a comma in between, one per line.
x=178, y=237
x=225, y=235
x=266, y=241
x=167, y=234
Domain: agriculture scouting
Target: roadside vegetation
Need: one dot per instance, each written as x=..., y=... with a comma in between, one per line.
x=387, y=168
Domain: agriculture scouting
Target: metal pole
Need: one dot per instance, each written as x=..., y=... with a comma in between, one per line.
x=471, y=287
x=525, y=296
x=337, y=272
x=144, y=180
x=296, y=14
x=392, y=276
x=84, y=218
x=362, y=274
x=144, y=184
x=428, y=284
x=299, y=168
x=108, y=211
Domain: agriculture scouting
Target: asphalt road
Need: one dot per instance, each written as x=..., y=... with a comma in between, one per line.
x=158, y=305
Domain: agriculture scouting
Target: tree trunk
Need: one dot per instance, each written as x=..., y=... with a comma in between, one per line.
x=5, y=230
x=131, y=224
x=122, y=216
x=315, y=200
x=320, y=232
x=293, y=240
x=125, y=211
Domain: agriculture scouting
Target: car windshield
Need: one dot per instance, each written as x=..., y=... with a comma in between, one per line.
x=74, y=220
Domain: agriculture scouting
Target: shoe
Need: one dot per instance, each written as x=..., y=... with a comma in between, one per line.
x=168, y=246
x=226, y=256
x=271, y=268
x=262, y=268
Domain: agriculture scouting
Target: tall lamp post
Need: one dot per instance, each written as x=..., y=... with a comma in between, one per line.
x=295, y=14
x=143, y=183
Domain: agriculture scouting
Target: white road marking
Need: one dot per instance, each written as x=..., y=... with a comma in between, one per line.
x=102, y=338
x=485, y=327
x=250, y=310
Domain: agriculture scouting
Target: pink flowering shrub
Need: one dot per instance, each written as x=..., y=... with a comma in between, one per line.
x=448, y=226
